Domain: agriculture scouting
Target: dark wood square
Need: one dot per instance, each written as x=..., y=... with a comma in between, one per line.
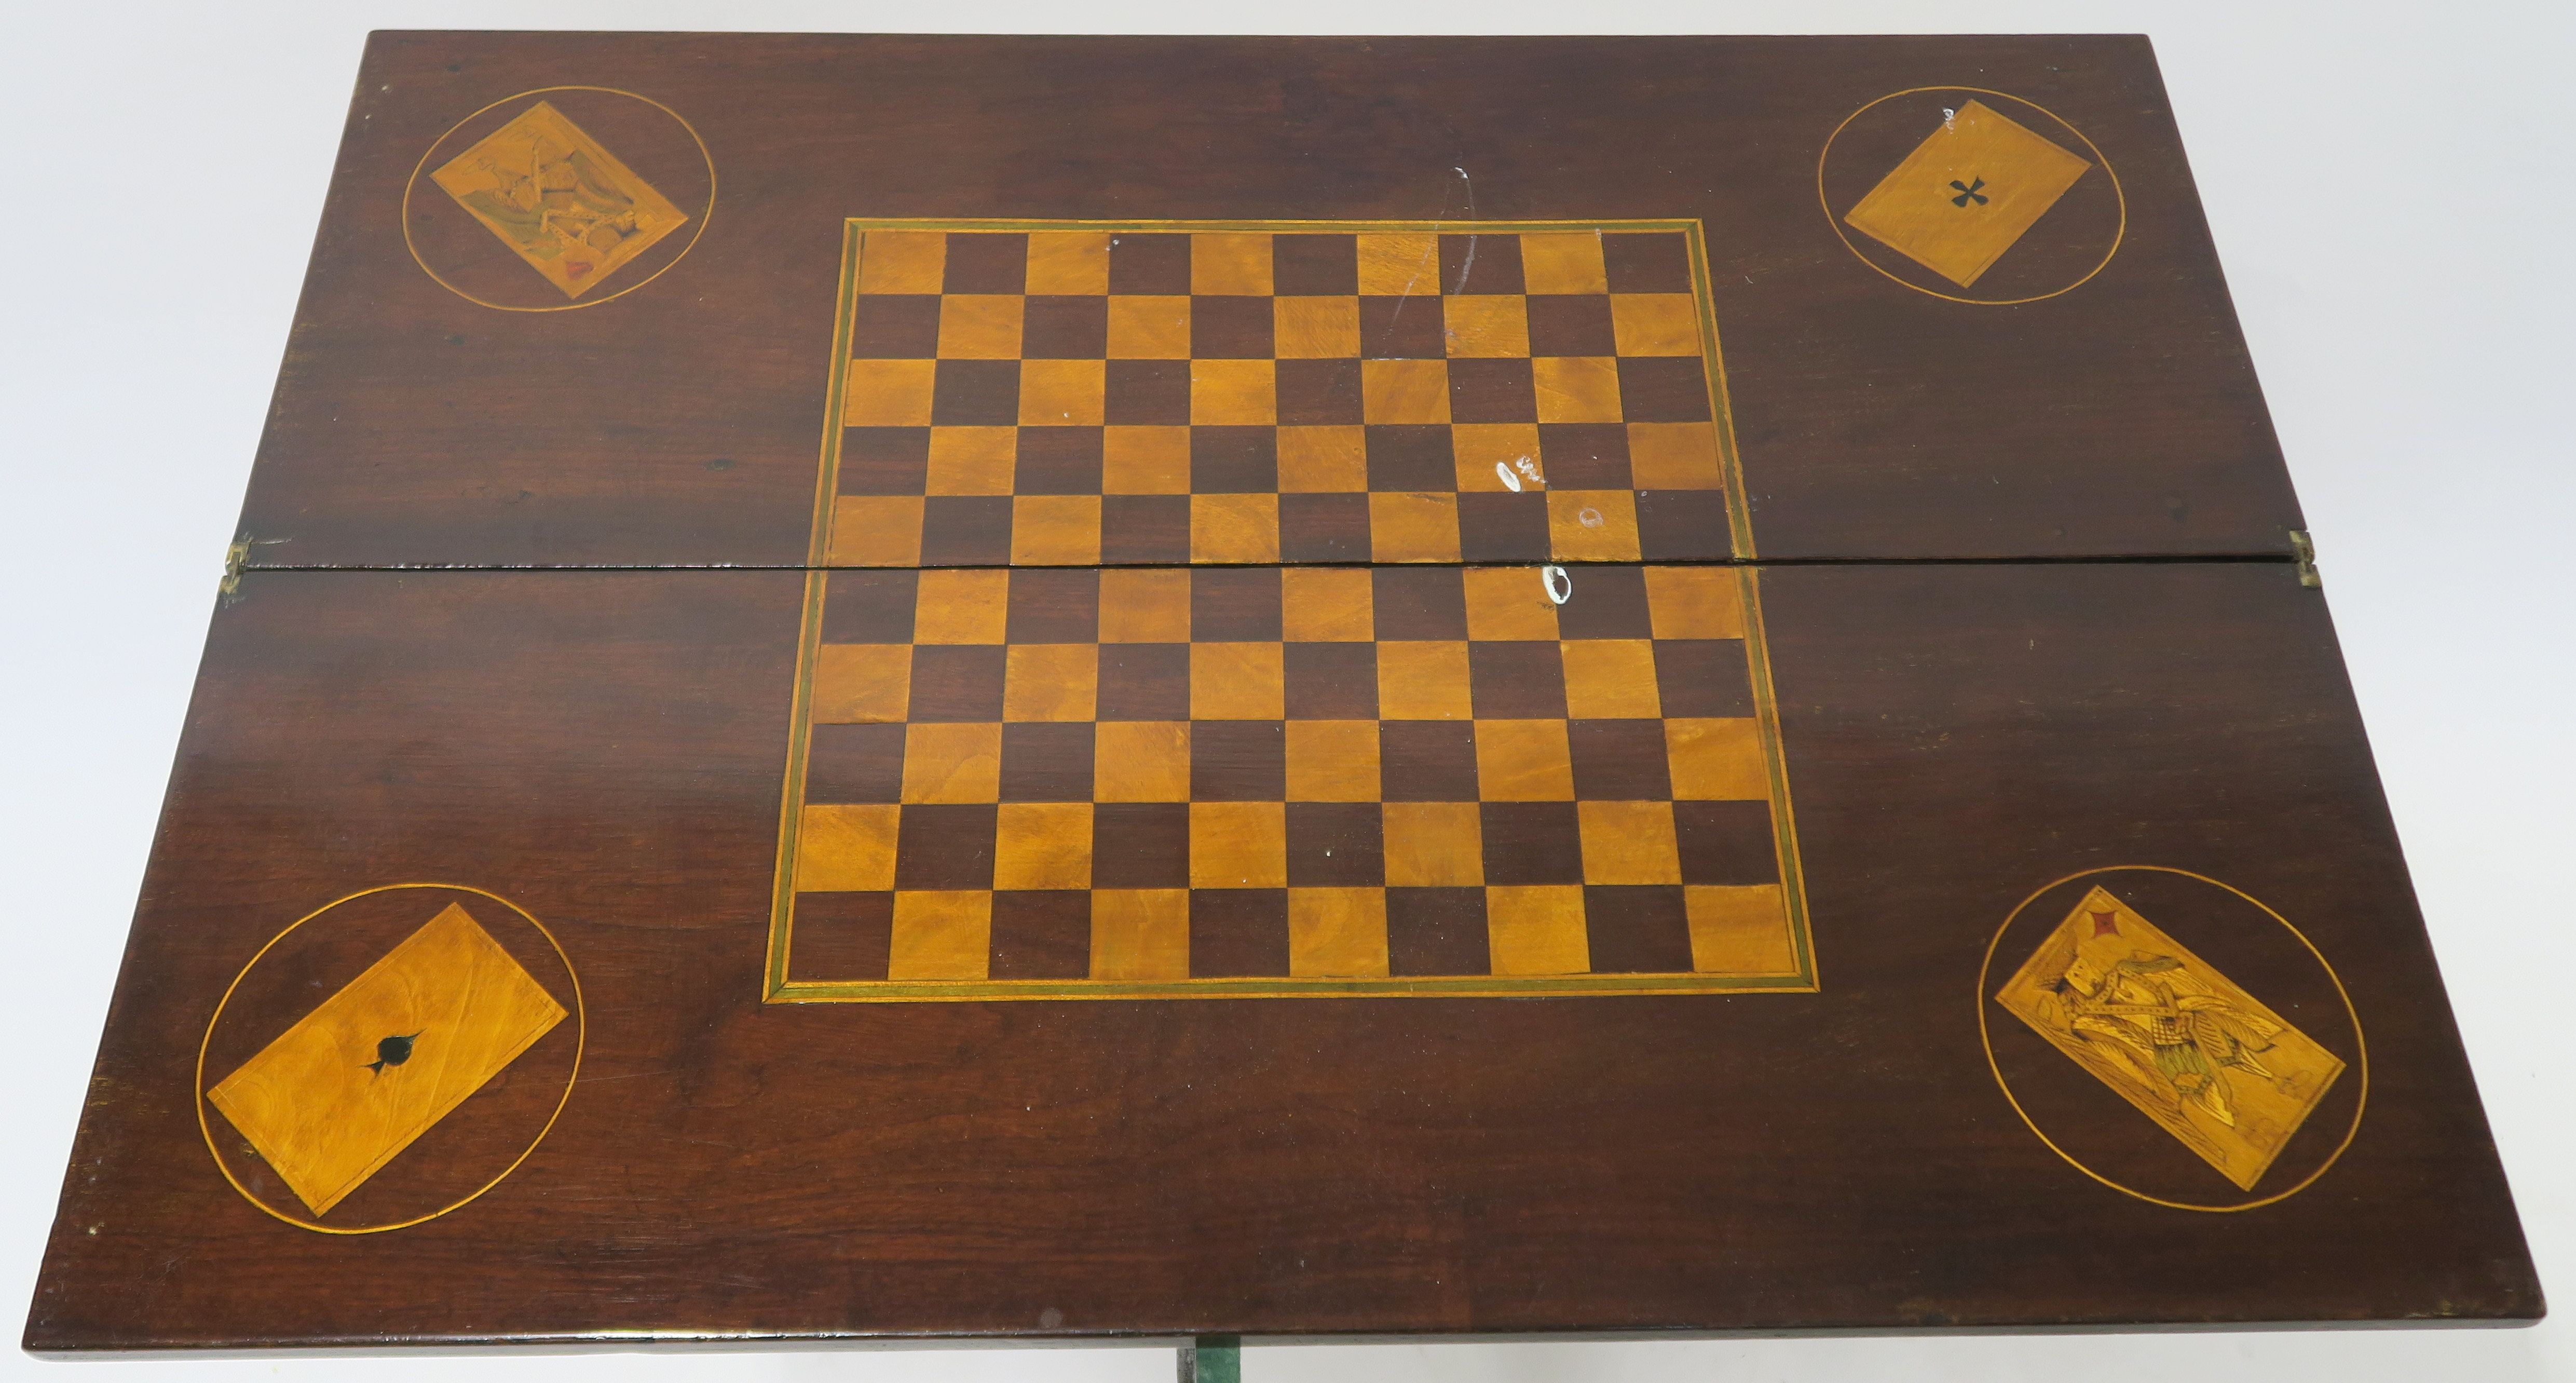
x=1520, y=680
x=1144, y=681
x=1419, y=602
x=945, y=845
x=870, y=606
x=1331, y=681
x=1436, y=931
x=1238, y=761
x=1238, y=931
x=1041, y=935
x=1637, y=927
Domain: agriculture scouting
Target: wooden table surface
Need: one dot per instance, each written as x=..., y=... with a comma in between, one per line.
x=1024, y=688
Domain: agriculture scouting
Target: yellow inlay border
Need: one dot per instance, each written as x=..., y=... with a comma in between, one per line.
x=2120, y=197
x=581, y=1040
x=705, y=214
x=2361, y=1046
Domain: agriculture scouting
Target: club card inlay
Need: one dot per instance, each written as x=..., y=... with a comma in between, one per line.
x=355, y=1081
x=1967, y=193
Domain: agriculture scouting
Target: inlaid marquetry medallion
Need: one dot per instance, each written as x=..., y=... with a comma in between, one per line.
x=439, y=1052
x=1972, y=196
x=1966, y=193
x=565, y=197
x=559, y=199
x=2218, y=1020
x=2191, y=1049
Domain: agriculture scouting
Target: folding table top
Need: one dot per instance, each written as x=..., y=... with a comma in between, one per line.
x=1068, y=687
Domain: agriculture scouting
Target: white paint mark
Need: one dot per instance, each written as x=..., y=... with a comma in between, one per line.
x=1510, y=481
x=1558, y=585
x=1589, y=518
x=1468, y=266
x=1949, y=118
x=1529, y=468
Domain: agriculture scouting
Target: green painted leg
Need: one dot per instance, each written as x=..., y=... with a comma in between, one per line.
x=1213, y=1359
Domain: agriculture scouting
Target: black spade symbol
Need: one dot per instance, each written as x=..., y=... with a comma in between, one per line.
x=393, y=1051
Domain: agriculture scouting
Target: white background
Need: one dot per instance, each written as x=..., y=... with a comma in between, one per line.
x=2389, y=184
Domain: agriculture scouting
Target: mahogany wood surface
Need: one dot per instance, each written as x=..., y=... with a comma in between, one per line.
x=604, y=750
x=677, y=425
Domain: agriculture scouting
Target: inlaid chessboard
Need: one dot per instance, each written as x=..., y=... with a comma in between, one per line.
x=1076, y=392
x=1259, y=780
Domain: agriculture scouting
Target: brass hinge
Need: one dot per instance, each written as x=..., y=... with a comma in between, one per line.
x=234, y=556
x=2306, y=552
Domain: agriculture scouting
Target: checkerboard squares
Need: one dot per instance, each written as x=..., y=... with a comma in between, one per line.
x=861, y=684
x=1524, y=761
x=1332, y=761
x=980, y=326
x=1238, y=845
x=846, y=848
x=1629, y=843
x=1140, y=934
x=875, y=531
x=1509, y=603
x=1315, y=328
x=1051, y=681
x=1234, y=528
x=1145, y=460
x=1327, y=605
x=952, y=762
x=1040, y=845
x=1487, y=324
x=1055, y=530
x=1433, y=844
x=1069, y=263
x=898, y=261
x=1577, y=388
x=1235, y=393
x=1423, y=679
x=941, y=935
x=1143, y=327
x=956, y=605
x=1230, y=263
x=1399, y=264
x=1674, y=456
x=1483, y=451
x=1145, y=606
x=1410, y=391
x=973, y=460
x=1063, y=393
x=1611, y=679
x=1408, y=526
x=1237, y=681
x=1593, y=525
x=1694, y=603
x=1655, y=323
x=1739, y=930
x=1324, y=459
x=1141, y=761
x=1716, y=760
x=1337, y=933
x=1563, y=263
x=1537, y=929
x=888, y=393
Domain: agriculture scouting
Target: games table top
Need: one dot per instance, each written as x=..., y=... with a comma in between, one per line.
x=892, y=687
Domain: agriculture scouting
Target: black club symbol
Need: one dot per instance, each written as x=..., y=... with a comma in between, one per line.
x=1968, y=192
